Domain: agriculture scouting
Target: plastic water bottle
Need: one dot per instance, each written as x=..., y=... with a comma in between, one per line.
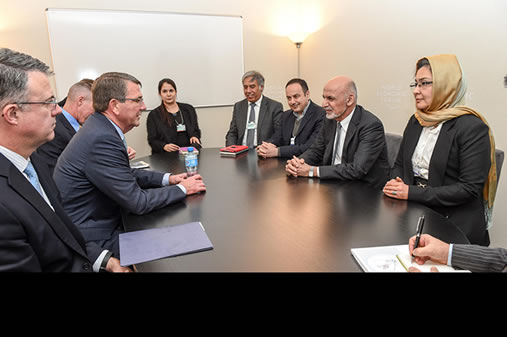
x=191, y=162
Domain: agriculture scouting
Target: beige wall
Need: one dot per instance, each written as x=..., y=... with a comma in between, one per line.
x=376, y=42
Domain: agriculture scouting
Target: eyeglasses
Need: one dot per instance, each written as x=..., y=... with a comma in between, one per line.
x=138, y=100
x=52, y=104
x=423, y=84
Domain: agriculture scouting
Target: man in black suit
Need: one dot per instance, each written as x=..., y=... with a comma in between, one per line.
x=93, y=172
x=351, y=144
x=78, y=107
x=255, y=118
x=35, y=232
x=300, y=124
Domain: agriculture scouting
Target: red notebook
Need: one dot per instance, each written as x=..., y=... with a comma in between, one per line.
x=233, y=150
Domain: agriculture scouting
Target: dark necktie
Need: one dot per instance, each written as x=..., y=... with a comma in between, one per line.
x=251, y=132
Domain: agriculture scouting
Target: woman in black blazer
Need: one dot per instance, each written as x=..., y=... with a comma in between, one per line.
x=173, y=124
x=447, y=156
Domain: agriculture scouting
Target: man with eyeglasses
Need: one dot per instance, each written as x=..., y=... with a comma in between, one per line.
x=93, y=172
x=36, y=234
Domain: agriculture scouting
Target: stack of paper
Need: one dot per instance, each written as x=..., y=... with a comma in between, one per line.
x=393, y=259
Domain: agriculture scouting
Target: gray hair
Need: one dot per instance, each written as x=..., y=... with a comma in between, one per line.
x=255, y=76
x=14, y=67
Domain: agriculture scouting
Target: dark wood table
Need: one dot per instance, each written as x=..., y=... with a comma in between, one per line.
x=259, y=219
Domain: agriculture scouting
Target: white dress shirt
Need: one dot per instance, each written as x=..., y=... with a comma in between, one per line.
x=424, y=150
x=257, y=108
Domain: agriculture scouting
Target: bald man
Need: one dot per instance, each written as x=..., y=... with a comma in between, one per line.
x=351, y=144
x=78, y=107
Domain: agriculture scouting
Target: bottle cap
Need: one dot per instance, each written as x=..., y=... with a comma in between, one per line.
x=190, y=149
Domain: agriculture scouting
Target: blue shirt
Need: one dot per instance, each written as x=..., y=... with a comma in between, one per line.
x=72, y=120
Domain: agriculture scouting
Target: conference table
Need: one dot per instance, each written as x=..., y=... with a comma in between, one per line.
x=261, y=220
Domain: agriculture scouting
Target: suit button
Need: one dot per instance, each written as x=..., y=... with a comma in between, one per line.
x=86, y=266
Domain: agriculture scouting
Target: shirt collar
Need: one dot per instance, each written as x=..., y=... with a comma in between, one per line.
x=304, y=111
x=73, y=121
x=345, y=123
x=122, y=135
x=15, y=158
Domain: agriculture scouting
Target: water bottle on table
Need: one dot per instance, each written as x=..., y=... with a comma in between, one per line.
x=191, y=162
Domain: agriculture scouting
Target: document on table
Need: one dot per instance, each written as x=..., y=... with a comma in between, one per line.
x=157, y=243
x=387, y=259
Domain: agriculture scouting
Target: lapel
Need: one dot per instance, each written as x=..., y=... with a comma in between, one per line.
x=242, y=118
x=61, y=119
x=330, y=125
x=22, y=186
x=262, y=115
x=309, y=114
x=351, y=133
x=440, y=155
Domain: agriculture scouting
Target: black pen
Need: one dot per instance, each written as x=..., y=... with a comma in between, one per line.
x=420, y=225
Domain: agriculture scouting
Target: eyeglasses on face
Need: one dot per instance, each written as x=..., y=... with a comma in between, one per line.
x=138, y=100
x=52, y=104
x=423, y=84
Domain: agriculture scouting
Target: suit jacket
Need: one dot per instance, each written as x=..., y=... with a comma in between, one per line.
x=458, y=170
x=364, y=155
x=308, y=130
x=270, y=113
x=33, y=237
x=159, y=132
x=95, y=181
x=479, y=259
x=50, y=151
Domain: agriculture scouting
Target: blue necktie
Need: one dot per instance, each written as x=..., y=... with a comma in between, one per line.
x=32, y=176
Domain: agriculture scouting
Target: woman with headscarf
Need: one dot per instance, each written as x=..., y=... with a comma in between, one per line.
x=447, y=156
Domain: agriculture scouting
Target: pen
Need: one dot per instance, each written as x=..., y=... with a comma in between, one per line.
x=420, y=225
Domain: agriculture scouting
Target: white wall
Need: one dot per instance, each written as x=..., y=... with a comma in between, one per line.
x=376, y=42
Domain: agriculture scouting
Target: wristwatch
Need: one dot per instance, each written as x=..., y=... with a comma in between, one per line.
x=310, y=174
x=105, y=261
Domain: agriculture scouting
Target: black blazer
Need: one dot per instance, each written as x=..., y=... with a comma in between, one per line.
x=270, y=114
x=35, y=238
x=458, y=169
x=308, y=130
x=159, y=132
x=50, y=151
x=364, y=154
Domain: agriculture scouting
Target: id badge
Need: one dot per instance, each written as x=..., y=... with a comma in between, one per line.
x=251, y=125
x=293, y=141
x=181, y=128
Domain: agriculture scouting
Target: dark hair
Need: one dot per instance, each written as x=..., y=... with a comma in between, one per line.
x=168, y=81
x=299, y=81
x=424, y=62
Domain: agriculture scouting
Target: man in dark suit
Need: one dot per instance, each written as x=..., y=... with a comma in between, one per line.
x=351, y=144
x=300, y=124
x=255, y=118
x=93, y=173
x=35, y=232
x=78, y=107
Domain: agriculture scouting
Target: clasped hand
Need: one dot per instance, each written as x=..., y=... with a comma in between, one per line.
x=297, y=167
x=396, y=188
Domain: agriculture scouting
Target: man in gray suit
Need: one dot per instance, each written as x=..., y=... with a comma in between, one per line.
x=351, y=144
x=471, y=257
x=256, y=118
x=93, y=172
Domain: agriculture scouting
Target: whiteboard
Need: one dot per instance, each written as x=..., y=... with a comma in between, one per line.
x=203, y=54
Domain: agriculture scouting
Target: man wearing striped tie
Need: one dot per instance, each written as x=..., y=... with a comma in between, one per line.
x=35, y=232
